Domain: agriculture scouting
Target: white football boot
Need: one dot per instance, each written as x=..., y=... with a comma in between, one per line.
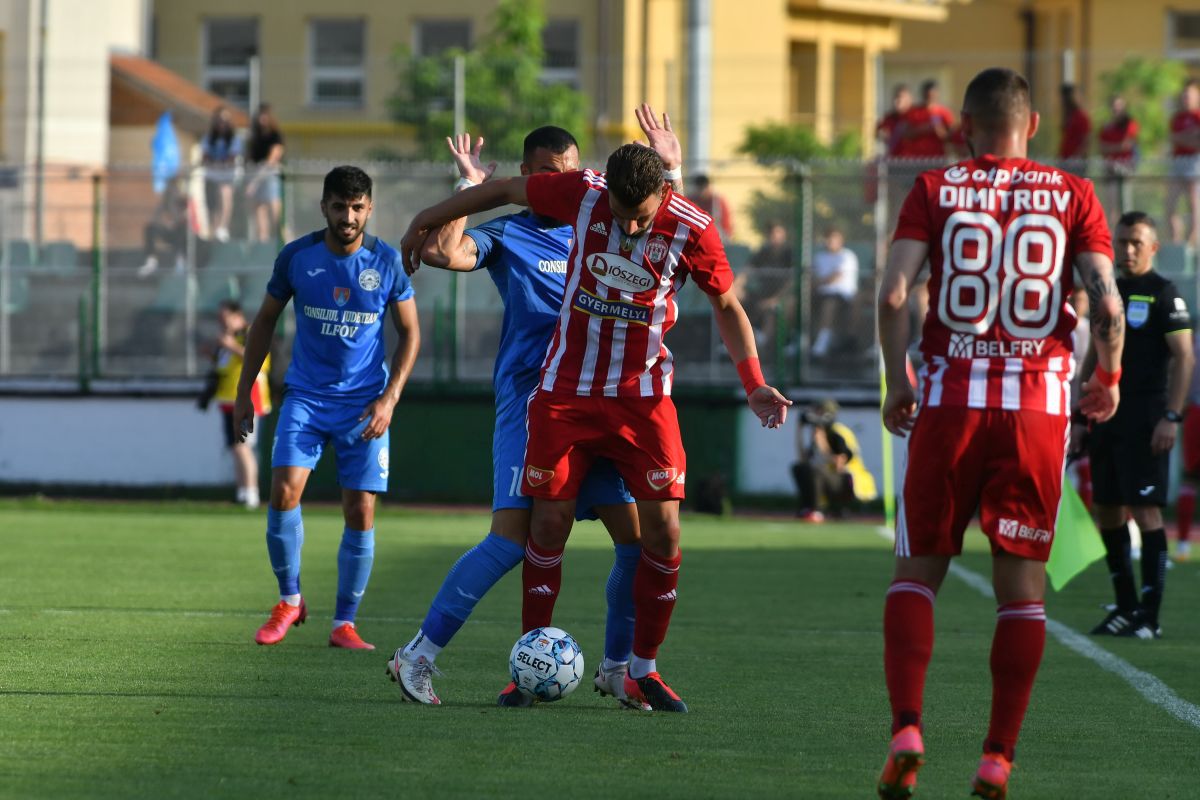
x=611, y=683
x=415, y=678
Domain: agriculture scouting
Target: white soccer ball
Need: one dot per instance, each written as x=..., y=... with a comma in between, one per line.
x=546, y=663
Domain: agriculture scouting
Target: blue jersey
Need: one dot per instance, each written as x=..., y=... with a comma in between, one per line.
x=526, y=255
x=341, y=304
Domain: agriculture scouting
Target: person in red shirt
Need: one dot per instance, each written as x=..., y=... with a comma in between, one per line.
x=1000, y=233
x=606, y=380
x=715, y=205
x=888, y=128
x=1076, y=127
x=1118, y=146
x=925, y=128
x=1185, y=165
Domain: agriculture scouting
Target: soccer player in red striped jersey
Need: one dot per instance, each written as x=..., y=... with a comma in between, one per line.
x=606, y=380
x=1000, y=233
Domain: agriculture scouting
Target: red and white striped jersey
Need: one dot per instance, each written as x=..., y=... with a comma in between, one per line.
x=620, y=295
x=1003, y=234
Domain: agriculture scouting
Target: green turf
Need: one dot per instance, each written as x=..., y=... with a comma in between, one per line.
x=128, y=669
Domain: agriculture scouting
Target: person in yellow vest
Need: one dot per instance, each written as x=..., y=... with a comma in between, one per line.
x=830, y=473
x=223, y=382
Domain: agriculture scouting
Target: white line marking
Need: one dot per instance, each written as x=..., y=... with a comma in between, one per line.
x=1145, y=684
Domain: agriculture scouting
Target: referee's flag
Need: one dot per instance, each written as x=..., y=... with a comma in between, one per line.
x=1077, y=542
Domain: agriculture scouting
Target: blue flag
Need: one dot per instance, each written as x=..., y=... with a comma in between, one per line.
x=164, y=153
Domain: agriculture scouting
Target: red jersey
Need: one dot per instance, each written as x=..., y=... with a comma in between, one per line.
x=927, y=144
x=886, y=130
x=1117, y=132
x=1002, y=235
x=620, y=295
x=1185, y=121
x=1074, y=135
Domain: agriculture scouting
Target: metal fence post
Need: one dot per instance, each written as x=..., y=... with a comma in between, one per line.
x=84, y=382
x=800, y=176
x=97, y=273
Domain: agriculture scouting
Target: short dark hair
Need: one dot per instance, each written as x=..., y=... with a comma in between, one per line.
x=1131, y=218
x=550, y=137
x=997, y=98
x=348, y=182
x=230, y=305
x=928, y=86
x=701, y=181
x=634, y=172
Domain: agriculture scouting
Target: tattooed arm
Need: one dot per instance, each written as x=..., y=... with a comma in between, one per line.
x=1108, y=333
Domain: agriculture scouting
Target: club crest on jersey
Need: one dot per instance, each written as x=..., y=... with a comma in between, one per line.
x=656, y=249
x=619, y=272
x=660, y=479
x=341, y=295
x=537, y=476
x=369, y=280
x=1137, y=313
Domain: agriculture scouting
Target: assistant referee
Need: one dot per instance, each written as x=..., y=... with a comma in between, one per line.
x=1130, y=453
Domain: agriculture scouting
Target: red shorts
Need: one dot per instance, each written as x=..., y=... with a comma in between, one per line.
x=1007, y=464
x=1191, y=441
x=640, y=435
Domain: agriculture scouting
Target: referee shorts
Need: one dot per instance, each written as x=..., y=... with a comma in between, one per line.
x=1125, y=472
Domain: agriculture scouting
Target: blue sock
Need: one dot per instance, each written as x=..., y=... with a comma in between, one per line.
x=618, y=632
x=471, y=577
x=355, y=557
x=285, y=537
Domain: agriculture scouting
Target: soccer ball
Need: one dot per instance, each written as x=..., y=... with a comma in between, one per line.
x=546, y=663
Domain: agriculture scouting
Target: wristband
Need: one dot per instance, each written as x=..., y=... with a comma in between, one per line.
x=670, y=175
x=1107, y=378
x=464, y=183
x=1172, y=416
x=750, y=372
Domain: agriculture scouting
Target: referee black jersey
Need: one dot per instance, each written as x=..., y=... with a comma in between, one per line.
x=1153, y=309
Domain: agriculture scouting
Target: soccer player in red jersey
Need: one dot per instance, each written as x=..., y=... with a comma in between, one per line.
x=1000, y=233
x=1185, y=164
x=924, y=128
x=606, y=380
x=887, y=129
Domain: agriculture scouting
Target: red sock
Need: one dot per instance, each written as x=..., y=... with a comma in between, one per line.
x=907, y=648
x=1016, y=653
x=1183, y=512
x=653, y=601
x=541, y=577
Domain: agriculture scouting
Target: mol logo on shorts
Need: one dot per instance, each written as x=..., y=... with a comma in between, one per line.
x=1012, y=529
x=537, y=476
x=660, y=479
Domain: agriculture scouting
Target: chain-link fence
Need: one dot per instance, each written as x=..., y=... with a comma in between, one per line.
x=124, y=284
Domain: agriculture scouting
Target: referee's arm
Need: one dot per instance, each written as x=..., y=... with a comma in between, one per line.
x=1179, y=377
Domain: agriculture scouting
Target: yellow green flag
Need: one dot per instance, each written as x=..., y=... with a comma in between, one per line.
x=1077, y=542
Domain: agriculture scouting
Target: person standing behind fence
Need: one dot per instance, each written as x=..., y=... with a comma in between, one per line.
x=835, y=283
x=715, y=205
x=1118, y=147
x=1185, y=165
x=264, y=191
x=925, y=128
x=1076, y=127
x=888, y=128
x=220, y=150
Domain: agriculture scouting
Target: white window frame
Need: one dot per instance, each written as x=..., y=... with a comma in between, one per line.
x=210, y=74
x=1174, y=53
x=568, y=75
x=416, y=31
x=318, y=73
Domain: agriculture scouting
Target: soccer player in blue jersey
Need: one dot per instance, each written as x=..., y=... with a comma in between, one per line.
x=526, y=257
x=338, y=389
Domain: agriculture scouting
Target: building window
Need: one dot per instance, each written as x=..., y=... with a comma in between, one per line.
x=432, y=37
x=229, y=44
x=338, y=67
x=560, y=43
x=1183, y=42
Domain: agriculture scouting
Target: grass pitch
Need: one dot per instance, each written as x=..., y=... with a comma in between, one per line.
x=128, y=669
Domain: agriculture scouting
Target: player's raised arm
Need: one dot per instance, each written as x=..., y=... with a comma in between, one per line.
x=662, y=139
x=258, y=344
x=1100, y=392
x=905, y=258
x=449, y=247
x=767, y=403
x=474, y=200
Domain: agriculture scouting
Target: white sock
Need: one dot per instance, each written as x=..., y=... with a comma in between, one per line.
x=641, y=667
x=822, y=343
x=608, y=664
x=337, y=623
x=241, y=494
x=291, y=599
x=250, y=497
x=421, y=646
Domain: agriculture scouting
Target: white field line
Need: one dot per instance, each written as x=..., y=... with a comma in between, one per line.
x=1145, y=684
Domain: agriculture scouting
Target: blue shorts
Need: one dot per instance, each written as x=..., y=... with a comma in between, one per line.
x=602, y=486
x=307, y=424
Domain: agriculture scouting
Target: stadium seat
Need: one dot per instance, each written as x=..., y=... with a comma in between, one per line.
x=19, y=253
x=226, y=255
x=60, y=257
x=172, y=293
x=1176, y=259
x=215, y=285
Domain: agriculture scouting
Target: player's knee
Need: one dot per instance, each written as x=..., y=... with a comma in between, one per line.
x=551, y=524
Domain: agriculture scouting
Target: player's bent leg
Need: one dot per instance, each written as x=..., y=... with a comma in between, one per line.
x=622, y=523
x=654, y=595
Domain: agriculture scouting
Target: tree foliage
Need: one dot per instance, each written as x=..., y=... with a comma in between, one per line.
x=778, y=141
x=1147, y=85
x=505, y=96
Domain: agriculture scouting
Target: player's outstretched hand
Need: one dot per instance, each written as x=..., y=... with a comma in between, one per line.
x=1099, y=402
x=900, y=409
x=660, y=136
x=243, y=417
x=769, y=406
x=411, y=245
x=379, y=416
x=466, y=158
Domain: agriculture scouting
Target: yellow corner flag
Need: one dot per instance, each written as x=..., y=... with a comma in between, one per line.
x=1077, y=542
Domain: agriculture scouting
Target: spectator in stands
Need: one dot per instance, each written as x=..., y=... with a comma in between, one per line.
x=1185, y=165
x=1076, y=128
x=766, y=282
x=829, y=473
x=166, y=232
x=926, y=127
x=714, y=205
x=220, y=151
x=889, y=127
x=835, y=284
x=264, y=152
x=1118, y=147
